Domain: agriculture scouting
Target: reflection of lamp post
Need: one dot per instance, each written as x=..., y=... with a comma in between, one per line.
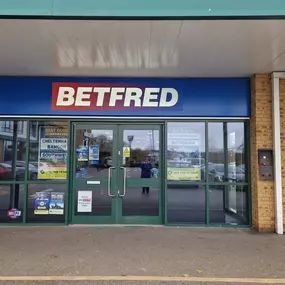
x=130, y=139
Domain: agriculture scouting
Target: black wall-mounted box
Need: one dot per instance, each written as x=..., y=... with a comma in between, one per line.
x=265, y=164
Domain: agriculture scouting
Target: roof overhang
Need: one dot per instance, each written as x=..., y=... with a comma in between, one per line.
x=149, y=48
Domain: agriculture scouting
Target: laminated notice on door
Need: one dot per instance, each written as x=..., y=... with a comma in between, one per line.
x=126, y=152
x=84, y=201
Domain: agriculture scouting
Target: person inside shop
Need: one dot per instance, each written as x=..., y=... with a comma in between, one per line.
x=146, y=172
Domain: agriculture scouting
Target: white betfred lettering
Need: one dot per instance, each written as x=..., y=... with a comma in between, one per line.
x=101, y=91
x=163, y=97
x=150, y=94
x=83, y=96
x=115, y=95
x=65, y=96
x=133, y=94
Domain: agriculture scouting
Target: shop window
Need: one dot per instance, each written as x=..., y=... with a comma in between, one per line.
x=185, y=172
x=46, y=203
x=222, y=172
x=12, y=150
x=48, y=150
x=228, y=204
x=186, y=204
x=237, y=166
x=216, y=152
x=11, y=197
x=186, y=152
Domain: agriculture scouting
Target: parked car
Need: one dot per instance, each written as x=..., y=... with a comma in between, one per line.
x=217, y=173
x=5, y=171
x=21, y=166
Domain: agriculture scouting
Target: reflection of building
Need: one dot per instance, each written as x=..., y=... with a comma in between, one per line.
x=6, y=139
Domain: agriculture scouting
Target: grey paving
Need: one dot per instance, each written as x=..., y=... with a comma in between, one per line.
x=145, y=251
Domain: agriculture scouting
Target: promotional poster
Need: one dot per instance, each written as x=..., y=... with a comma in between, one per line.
x=53, y=153
x=93, y=154
x=41, y=206
x=82, y=153
x=49, y=203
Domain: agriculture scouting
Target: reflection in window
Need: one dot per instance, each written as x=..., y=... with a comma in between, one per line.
x=12, y=150
x=141, y=153
x=186, y=152
x=216, y=152
x=186, y=204
x=186, y=167
x=94, y=153
x=46, y=203
x=228, y=204
x=236, y=152
x=48, y=150
x=11, y=197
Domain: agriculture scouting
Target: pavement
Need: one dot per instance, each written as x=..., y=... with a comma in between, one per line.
x=144, y=254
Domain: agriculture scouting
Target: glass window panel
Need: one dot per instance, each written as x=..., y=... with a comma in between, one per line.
x=186, y=151
x=236, y=153
x=216, y=164
x=11, y=196
x=186, y=204
x=135, y=203
x=92, y=201
x=94, y=149
x=46, y=203
x=228, y=204
x=12, y=150
x=48, y=150
x=142, y=157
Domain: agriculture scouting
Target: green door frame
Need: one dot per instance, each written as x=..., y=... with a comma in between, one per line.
x=140, y=182
x=118, y=185
x=82, y=183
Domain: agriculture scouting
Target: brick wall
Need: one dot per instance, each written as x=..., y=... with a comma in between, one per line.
x=263, y=212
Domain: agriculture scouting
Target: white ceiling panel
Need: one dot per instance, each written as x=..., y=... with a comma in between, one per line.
x=206, y=48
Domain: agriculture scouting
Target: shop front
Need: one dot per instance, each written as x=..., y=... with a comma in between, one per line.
x=125, y=151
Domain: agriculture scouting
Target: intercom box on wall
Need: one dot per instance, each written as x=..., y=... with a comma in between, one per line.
x=265, y=164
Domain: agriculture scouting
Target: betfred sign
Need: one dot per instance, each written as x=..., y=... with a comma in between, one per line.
x=86, y=96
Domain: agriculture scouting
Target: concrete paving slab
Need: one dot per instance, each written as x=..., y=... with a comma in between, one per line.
x=142, y=251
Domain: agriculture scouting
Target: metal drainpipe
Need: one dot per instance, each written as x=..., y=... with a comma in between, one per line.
x=277, y=151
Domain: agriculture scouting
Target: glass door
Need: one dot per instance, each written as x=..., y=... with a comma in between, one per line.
x=117, y=174
x=95, y=174
x=139, y=164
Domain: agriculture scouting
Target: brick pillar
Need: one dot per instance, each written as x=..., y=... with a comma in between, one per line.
x=263, y=210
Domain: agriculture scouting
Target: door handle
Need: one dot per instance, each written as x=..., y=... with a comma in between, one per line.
x=125, y=177
x=109, y=181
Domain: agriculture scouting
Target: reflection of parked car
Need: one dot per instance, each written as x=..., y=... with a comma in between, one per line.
x=217, y=173
x=21, y=166
x=6, y=172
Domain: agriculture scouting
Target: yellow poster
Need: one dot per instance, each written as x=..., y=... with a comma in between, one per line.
x=126, y=152
x=52, y=159
x=47, y=171
x=183, y=174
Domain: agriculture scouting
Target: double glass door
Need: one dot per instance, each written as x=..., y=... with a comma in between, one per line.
x=117, y=174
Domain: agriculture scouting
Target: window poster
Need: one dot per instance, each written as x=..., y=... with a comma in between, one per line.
x=82, y=153
x=49, y=203
x=41, y=206
x=52, y=157
x=56, y=205
x=93, y=154
x=184, y=154
x=84, y=201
